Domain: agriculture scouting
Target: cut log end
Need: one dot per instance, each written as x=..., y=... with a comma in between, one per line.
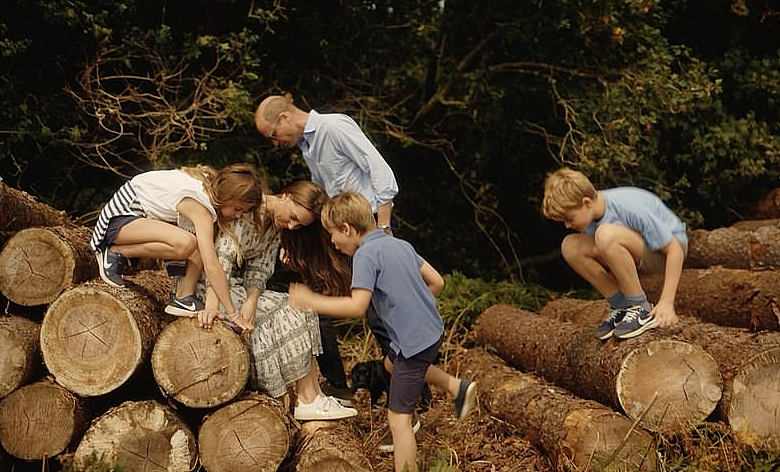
x=198, y=367
x=651, y=378
x=753, y=414
x=35, y=267
x=90, y=341
x=141, y=436
x=249, y=434
x=40, y=420
x=19, y=358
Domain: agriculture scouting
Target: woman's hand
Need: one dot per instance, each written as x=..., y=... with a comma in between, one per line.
x=248, y=313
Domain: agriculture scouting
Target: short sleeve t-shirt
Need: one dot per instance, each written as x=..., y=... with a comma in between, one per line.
x=643, y=212
x=161, y=191
x=390, y=268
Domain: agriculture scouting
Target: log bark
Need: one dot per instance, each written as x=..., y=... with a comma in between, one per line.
x=752, y=225
x=749, y=364
x=329, y=446
x=728, y=297
x=94, y=337
x=200, y=368
x=41, y=420
x=20, y=358
x=20, y=210
x=252, y=434
x=671, y=385
x=143, y=436
x=734, y=248
x=576, y=434
x=38, y=264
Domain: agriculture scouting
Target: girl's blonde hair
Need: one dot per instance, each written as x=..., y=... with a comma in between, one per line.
x=564, y=190
x=351, y=208
x=234, y=182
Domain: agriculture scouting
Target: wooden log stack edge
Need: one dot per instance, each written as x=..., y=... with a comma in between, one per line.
x=329, y=446
x=576, y=434
x=20, y=358
x=749, y=364
x=670, y=385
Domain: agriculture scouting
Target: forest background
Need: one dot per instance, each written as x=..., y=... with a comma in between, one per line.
x=471, y=103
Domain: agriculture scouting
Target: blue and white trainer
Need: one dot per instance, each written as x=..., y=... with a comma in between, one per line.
x=185, y=306
x=636, y=321
x=605, y=329
x=110, y=264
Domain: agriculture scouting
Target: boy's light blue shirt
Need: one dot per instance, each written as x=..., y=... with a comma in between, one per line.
x=645, y=213
x=341, y=157
x=390, y=268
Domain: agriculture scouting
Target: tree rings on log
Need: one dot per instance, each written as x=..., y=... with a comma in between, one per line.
x=329, y=446
x=20, y=359
x=143, y=436
x=38, y=264
x=652, y=377
x=199, y=367
x=754, y=398
x=249, y=435
x=40, y=420
x=95, y=337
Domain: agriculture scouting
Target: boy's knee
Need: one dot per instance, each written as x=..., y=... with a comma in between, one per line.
x=573, y=247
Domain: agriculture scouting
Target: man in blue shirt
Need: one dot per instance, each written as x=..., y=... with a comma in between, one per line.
x=340, y=157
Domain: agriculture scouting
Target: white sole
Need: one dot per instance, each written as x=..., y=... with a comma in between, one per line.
x=469, y=401
x=99, y=257
x=172, y=310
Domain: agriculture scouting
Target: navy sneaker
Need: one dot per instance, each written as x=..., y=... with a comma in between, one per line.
x=185, y=306
x=466, y=399
x=605, y=329
x=636, y=321
x=110, y=264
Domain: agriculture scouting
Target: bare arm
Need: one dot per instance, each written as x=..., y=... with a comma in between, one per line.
x=432, y=279
x=352, y=306
x=384, y=214
x=664, y=310
x=204, y=233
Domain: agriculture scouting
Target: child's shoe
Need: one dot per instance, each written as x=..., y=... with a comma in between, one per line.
x=466, y=399
x=185, y=306
x=607, y=327
x=110, y=264
x=175, y=268
x=322, y=408
x=636, y=321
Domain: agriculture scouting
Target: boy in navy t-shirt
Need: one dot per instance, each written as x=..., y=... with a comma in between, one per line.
x=621, y=232
x=401, y=285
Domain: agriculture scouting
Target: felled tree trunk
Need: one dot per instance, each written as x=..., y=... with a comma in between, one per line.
x=752, y=225
x=728, y=297
x=252, y=434
x=20, y=210
x=576, y=434
x=198, y=367
x=20, y=359
x=329, y=446
x=142, y=435
x=38, y=264
x=94, y=337
x=749, y=364
x=735, y=248
x=669, y=384
x=40, y=420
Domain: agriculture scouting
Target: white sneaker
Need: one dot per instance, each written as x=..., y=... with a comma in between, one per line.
x=322, y=408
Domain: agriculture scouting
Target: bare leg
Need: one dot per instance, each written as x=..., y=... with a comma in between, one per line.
x=308, y=387
x=404, y=444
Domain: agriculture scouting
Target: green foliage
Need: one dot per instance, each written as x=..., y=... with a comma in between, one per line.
x=464, y=299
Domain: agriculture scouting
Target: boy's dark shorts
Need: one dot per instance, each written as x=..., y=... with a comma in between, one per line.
x=408, y=379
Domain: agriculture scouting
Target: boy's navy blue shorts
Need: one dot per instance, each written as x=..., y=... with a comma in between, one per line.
x=408, y=379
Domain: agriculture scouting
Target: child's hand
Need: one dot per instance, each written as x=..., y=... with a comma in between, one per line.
x=665, y=314
x=207, y=316
x=300, y=296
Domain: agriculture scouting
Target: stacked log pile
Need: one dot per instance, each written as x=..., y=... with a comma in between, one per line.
x=98, y=371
